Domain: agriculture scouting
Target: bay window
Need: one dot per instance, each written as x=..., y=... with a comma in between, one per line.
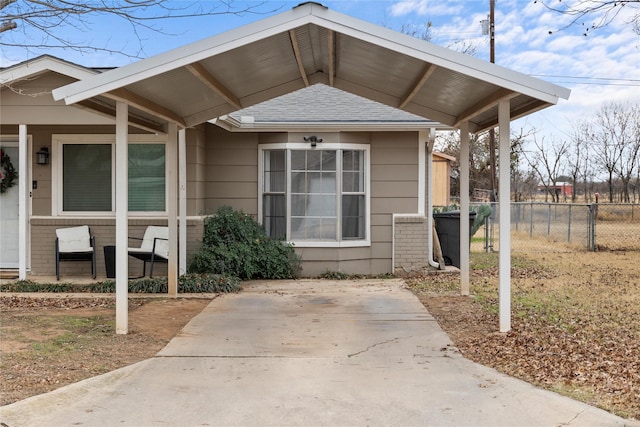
x=315, y=196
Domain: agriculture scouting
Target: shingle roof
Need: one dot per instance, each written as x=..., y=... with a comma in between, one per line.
x=320, y=103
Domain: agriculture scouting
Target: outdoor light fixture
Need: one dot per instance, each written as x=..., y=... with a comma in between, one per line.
x=43, y=156
x=313, y=139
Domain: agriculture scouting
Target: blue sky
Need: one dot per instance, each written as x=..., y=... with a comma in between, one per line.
x=603, y=67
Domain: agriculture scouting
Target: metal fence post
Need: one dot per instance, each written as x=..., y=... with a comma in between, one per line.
x=549, y=220
x=569, y=226
x=531, y=219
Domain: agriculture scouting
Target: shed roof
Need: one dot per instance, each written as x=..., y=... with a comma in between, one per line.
x=306, y=45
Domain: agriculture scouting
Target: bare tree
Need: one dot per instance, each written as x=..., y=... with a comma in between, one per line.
x=612, y=134
x=591, y=15
x=55, y=24
x=547, y=159
x=578, y=152
x=628, y=118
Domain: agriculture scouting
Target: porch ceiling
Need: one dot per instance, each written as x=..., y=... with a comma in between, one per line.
x=306, y=45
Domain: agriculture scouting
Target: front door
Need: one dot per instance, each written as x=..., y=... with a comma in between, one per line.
x=9, y=206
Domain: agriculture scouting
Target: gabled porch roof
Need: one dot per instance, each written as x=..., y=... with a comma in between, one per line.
x=306, y=45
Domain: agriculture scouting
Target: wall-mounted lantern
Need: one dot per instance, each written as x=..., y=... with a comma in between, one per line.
x=43, y=156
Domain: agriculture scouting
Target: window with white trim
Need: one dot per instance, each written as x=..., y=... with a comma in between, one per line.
x=315, y=195
x=84, y=181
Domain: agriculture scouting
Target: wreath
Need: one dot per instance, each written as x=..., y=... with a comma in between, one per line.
x=8, y=173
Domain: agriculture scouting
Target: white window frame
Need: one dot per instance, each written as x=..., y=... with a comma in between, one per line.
x=58, y=140
x=324, y=146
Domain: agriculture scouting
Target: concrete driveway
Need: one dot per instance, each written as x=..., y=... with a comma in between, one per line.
x=307, y=353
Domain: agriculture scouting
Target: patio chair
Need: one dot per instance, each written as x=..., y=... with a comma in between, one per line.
x=154, y=247
x=75, y=244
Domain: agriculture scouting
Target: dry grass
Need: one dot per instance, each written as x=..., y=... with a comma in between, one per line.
x=575, y=327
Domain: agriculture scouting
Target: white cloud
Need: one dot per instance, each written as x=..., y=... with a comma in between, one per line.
x=424, y=8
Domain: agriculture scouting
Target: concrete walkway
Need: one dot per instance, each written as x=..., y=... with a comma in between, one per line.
x=307, y=353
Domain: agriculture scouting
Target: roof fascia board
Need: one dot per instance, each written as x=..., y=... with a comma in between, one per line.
x=443, y=57
x=334, y=21
x=42, y=65
x=185, y=55
x=236, y=126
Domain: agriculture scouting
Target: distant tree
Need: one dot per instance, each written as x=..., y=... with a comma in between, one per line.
x=479, y=159
x=614, y=138
x=591, y=15
x=547, y=159
x=578, y=152
x=56, y=24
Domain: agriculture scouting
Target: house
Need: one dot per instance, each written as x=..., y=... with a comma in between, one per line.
x=351, y=196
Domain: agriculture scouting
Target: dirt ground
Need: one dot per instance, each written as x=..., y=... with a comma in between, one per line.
x=575, y=328
x=50, y=342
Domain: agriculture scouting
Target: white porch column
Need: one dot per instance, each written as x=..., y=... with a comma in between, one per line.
x=422, y=171
x=182, y=172
x=430, y=138
x=172, y=209
x=504, y=242
x=23, y=201
x=464, y=208
x=122, y=222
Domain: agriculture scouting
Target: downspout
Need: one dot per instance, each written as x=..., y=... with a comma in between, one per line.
x=430, y=140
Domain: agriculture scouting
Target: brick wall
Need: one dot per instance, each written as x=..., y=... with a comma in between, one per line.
x=410, y=244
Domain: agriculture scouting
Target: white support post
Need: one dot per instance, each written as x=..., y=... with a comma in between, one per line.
x=422, y=171
x=182, y=172
x=172, y=209
x=23, y=201
x=504, y=242
x=430, y=138
x=464, y=208
x=122, y=222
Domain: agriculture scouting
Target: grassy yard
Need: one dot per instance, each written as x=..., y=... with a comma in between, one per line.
x=575, y=322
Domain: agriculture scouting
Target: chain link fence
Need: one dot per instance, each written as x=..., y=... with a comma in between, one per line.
x=563, y=226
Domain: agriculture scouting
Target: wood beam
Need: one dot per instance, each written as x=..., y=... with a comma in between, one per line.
x=296, y=53
x=212, y=83
x=109, y=111
x=332, y=55
x=417, y=85
x=145, y=105
x=484, y=105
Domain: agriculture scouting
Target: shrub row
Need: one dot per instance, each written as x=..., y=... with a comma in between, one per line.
x=188, y=283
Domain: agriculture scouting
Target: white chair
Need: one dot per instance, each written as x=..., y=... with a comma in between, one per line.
x=154, y=247
x=75, y=244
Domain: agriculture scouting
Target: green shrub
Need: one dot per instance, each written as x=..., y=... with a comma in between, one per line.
x=234, y=244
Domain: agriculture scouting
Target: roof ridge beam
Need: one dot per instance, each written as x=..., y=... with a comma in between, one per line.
x=298, y=56
x=484, y=105
x=428, y=71
x=198, y=70
x=145, y=105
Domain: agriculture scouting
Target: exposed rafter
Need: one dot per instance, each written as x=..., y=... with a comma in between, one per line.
x=145, y=105
x=212, y=83
x=515, y=114
x=296, y=52
x=484, y=105
x=428, y=71
x=110, y=111
x=331, y=55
